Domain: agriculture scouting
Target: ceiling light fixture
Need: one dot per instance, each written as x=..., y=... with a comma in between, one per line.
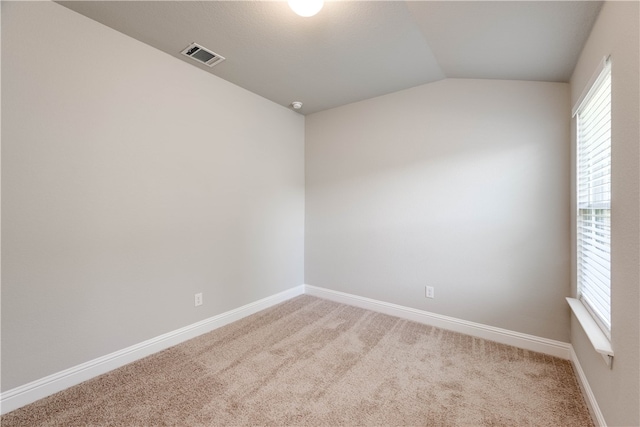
x=306, y=8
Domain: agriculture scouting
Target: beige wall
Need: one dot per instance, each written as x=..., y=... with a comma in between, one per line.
x=617, y=33
x=132, y=180
x=462, y=185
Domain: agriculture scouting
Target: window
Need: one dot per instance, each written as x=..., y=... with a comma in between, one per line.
x=594, y=199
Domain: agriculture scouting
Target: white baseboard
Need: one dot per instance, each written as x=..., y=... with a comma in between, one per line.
x=503, y=336
x=29, y=393
x=33, y=391
x=592, y=403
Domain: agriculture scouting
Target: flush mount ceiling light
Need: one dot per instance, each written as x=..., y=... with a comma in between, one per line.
x=306, y=8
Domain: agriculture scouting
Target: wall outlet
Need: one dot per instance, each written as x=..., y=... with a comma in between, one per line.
x=198, y=299
x=428, y=292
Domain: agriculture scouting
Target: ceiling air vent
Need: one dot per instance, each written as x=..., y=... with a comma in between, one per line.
x=202, y=55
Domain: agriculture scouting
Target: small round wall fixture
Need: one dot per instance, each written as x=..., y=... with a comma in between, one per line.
x=296, y=105
x=306, y=8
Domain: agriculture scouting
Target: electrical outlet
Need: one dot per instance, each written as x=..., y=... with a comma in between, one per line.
x=198, y=299
x=428, y=292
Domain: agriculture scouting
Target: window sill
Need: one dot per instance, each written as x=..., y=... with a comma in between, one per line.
x=598, y=339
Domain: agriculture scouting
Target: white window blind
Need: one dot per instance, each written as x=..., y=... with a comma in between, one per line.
x=594, y=199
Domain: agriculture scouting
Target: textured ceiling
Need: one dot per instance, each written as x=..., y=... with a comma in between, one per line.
x=354, y=50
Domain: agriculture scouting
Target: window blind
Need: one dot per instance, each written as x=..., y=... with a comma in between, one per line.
x=594, y=199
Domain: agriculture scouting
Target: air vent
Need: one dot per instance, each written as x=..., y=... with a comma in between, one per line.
x=202, y=55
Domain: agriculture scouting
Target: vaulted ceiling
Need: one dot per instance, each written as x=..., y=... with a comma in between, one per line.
x=354, y=50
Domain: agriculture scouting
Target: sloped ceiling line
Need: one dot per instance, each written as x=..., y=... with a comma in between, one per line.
x=355, y=50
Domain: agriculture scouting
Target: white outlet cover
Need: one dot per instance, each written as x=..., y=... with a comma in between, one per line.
x=429, y=292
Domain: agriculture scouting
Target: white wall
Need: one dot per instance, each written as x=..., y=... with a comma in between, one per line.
x=130, y=181
x=617, y=32
x=459, y=184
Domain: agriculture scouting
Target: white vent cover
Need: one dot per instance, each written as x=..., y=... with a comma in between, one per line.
x=202, y=55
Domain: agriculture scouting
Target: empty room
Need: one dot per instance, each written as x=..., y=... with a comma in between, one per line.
x=327, y=213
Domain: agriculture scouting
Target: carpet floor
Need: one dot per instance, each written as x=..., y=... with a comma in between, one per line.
x=310, y=361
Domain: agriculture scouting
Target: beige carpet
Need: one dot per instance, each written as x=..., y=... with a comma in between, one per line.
x=314, y=362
